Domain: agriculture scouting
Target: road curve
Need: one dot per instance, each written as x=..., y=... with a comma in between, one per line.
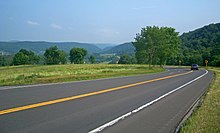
x=101, y=101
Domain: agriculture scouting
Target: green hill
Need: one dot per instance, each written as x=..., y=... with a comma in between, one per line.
x=125, y=48
x=202, y=44
x=39, y=46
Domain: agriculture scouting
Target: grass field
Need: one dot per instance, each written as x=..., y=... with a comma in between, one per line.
x=19, y=75
x=206, y=119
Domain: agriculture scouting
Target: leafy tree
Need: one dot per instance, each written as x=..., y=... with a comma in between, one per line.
x=216, y=61
x=155, y=45
x=141, y=56
x=92, y=59
x=55, y=56
x=2, y=60
x=63, y=57
x=6, y=60
x=24, y=57
x=144, y=46
x=20, y=59
x=133, y=60
x=77, y=55
x=170, y=45
x=33, y=59
x=125, y=59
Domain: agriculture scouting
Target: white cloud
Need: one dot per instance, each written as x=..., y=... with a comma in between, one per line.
x=56, y=26
x=32, y=23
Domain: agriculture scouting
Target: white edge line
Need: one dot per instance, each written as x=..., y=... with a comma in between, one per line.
x=99, y=129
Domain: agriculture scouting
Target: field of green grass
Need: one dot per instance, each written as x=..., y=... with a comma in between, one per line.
x=20, y=75
x=206, y=119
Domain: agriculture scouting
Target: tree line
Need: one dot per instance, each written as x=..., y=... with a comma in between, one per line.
x=52, y=56
x=162, y=45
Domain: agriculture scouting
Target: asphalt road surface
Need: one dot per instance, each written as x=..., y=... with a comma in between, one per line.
x=146, y=103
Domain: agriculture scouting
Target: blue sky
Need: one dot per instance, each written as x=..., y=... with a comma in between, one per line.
x=100, y=21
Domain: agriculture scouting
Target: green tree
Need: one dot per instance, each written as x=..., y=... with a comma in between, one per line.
x=133, y=60
x=6, y=60
x=155, y=45
x=125, y=59
x=20, y=59
x=146, y=44
x=92, y=59
x=170, y=45
x=141, y=56
x=216, y=61
x=2, y=60
x=24, y=57
x=77, y=55
x=55, y=56
x=63, y=57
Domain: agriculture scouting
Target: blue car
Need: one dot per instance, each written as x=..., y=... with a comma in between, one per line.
x=195, y=67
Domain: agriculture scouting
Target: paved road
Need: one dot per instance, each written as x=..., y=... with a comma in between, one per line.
x=98, y=102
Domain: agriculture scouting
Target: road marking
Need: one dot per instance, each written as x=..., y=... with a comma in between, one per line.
x=99, y=129
x=25, y=107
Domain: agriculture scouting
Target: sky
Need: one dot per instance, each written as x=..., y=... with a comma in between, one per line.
x=100, y=21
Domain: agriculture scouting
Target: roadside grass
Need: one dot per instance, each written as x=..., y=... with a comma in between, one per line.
x=29, y=74
x=206, y=119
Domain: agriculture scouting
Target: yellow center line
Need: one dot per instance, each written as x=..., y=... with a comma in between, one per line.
x=25, y=107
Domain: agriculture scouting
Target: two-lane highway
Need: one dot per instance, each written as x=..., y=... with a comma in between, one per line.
x=146, y=103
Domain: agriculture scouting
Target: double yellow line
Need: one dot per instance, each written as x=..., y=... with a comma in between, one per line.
x=15, y=109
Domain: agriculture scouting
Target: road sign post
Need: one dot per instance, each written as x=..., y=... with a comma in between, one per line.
x=206, y=64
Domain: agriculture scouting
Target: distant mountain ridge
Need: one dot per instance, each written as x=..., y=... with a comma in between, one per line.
x=104, y=45
x=125, y=48
x=39, y=47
